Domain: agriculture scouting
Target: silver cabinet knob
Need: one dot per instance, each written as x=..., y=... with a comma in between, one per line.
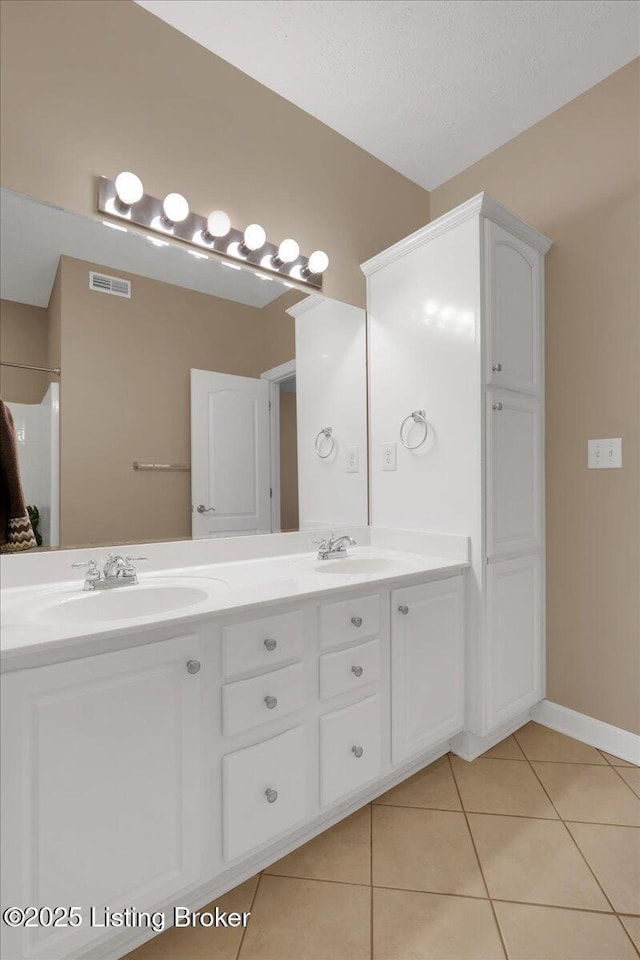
x=271, y=795
x=202, y=509
x=357, y=752
x=193, y=666
x=356, y=621
x=270, y=644
x=358, y=671
x=403, y=609
x=271, y=702
x=497, y=367
x=497, y=406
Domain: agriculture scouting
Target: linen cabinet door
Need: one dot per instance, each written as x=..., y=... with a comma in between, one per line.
x=514, y=473
x=514, y=301
x=101, y=787
x=427, y=665
x=515, y=636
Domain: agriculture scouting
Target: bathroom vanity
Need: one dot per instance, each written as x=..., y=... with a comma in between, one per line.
x=155, y=760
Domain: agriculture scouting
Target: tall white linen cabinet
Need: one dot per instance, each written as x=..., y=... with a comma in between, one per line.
x=456, y=354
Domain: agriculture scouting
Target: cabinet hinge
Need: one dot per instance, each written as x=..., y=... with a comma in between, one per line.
x=271, y=493
x=269, y=404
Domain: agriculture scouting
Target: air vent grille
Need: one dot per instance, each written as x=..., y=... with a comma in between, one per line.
x=105, y=284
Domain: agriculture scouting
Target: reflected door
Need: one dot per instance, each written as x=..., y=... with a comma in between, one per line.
x=230, y=455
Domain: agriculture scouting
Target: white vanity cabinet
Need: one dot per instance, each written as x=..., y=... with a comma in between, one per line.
x=102, y=779
x=456, y=329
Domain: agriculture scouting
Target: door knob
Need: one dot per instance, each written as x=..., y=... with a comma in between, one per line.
x=497, y=368
x=356, y=621
x=193, y=666
x=357, y=752
x=202, y=509
x=497, y=406
x=271, y=644
x=271, y=795
x=271, y=702
x=357, y=670
x=403, y=609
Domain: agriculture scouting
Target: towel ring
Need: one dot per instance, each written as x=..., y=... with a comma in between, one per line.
x=325, y=434
x=418, y=416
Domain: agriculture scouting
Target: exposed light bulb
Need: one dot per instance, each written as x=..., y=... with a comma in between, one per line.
x=318, y=262
x=218, y=224
x=254, y=236
x=128, y=188
x=288, y=251
x=175, y=208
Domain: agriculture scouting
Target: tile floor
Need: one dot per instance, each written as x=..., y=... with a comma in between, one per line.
x=531, y=852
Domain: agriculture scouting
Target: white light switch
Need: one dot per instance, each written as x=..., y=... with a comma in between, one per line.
x=604, y=454
x=388, y=456
x=353, y=460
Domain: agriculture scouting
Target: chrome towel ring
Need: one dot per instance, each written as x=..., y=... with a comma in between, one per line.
x=325, y=434
x=418, y=416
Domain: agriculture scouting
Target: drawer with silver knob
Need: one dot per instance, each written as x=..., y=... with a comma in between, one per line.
x=261, y=644
x=349, y=669
x=349, y=621
x=350, y=748
x=263, y=791
x=248, y=703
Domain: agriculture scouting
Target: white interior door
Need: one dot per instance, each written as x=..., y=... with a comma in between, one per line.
x=230, y=455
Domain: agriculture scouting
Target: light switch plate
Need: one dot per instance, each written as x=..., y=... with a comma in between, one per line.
x=604, y=454
x=388, y=456
x=353, y=460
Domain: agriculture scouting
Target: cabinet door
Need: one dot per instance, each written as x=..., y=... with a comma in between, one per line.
x=514, y=309
x=514, y=473
x=427, y=669
x=101, y=786
x=515, y=636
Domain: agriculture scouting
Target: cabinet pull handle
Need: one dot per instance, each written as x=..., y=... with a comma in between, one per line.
x=193, y=666
x=271, y=644
x=497, y=406
x=356, y=621
x=271, y=795
x=403, y=609
x=358, y=671
x=271, y=702
x=497, y=368
x=357, y=752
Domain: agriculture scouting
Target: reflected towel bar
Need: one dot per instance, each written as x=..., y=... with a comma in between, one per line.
x=161, y=465
x=28, y=366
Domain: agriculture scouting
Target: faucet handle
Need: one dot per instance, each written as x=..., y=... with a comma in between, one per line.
x=92, y=564
x=130, y=565
x=134, y=559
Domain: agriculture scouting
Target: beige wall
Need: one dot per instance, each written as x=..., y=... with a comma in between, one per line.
x=575, y=176
x=24, y=338
x=97, y=87
x=125, y=396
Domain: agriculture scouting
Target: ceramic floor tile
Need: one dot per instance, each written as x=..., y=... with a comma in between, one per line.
x=308, y=920
x=501, y=786
x=541, y=743
x=546, y=933
x=428, y=850
x=433, y=787
x=342, y=852
x=613, y=853
x=535, y=861
x=633, y=929
x=408, y=925
x=616, y=761
x=632, y=777
x=507, y=749
x=202, y=943
x=589, y=793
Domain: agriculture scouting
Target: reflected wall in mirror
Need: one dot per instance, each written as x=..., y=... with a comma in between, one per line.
x=191, y=392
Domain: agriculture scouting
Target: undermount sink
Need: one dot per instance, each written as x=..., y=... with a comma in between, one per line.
x=352, y=566
x=123, y=603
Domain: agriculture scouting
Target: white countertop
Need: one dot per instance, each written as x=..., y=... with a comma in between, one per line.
x=37, y=627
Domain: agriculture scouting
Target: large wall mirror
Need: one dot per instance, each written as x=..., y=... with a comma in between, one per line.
x=195, y=398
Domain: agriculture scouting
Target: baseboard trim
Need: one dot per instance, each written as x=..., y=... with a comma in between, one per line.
x=470, y=745
x=613, y=740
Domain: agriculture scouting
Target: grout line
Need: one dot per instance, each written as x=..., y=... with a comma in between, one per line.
x=617, y=770
x=473, y=843
x=631, y=940
x=371, y=878
x=344, y=883
x=244, y=932
x=517, y=816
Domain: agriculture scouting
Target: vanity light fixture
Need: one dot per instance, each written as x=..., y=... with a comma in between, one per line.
x=123, y=199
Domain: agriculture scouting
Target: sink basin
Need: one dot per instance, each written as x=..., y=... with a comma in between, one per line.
x=123, y=603
x=352, y=566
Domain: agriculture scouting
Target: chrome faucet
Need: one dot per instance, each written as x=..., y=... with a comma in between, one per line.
x=334, y=547
x=117, y=572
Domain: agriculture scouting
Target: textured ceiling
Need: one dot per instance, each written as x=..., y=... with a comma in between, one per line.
x=427, y=87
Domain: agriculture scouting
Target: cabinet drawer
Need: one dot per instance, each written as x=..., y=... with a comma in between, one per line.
x=349, y=669
x=263, y=792
x=246, y=703
x=262, y=643
x=349, y=620
x=350, y=748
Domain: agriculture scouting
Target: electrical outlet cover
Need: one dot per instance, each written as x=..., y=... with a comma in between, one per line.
x=388, y=456
x=604, y=454
x=353, y=460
